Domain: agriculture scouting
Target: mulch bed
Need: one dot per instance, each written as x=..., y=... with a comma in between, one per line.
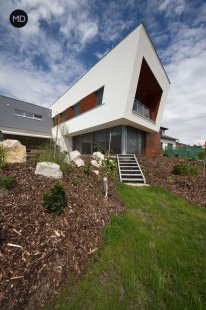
x=158, y=171
x=48, y=248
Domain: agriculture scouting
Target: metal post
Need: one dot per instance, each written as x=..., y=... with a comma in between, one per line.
x=105, y=187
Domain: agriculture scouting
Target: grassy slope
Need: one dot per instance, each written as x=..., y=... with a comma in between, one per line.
x=153, y=257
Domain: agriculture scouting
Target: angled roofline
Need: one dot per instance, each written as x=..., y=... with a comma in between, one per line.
x=156, y=51
x=36, y=105
x=109, y=52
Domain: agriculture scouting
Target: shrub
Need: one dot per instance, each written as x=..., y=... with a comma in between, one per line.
x=97, y=148
x=3, y=155
x=74, y=182
x=7, y=181
x=55, y=200
x=108, y=165
x=185, y=169
x=87, y=168
x=201, y=155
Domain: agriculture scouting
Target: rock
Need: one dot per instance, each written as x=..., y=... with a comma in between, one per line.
x=95, y=163
x=74, y=155
x=16, y=151
x=79, y=162
x=98, y=156
x=96, y=172
x=48, y=169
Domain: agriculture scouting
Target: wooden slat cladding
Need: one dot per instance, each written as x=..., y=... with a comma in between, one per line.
x=88, y=102
x=57, y=119
x=69, y=113
x=148, y=90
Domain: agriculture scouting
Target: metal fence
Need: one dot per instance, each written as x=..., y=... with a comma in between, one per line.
x=141, y=109
x=184, y=151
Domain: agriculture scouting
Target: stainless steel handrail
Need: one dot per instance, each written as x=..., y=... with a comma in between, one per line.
x=141, y=109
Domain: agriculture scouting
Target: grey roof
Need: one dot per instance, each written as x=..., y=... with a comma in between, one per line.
x=168, y=138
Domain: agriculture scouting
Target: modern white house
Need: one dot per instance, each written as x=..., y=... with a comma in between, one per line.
x=116, y=105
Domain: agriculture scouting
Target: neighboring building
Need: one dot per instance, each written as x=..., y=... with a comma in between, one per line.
x=167, y=142
x=23, y=121
x=118, y=104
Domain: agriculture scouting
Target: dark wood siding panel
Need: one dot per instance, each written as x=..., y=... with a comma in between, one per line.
x=69, y=113
x=88, y=103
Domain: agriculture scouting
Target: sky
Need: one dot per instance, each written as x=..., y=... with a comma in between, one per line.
x=64, y=38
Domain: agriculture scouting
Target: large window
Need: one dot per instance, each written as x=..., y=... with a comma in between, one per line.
x=86, y=143
x=27, y=114
x=77, y=143
x=110, y=140
x=115, y=140
x=76, y=109
x=63, y=116
x=135, y=141
x=99, y=96
x=99, y=141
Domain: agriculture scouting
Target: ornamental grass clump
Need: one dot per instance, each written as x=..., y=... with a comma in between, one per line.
x=7, y=181
x=185, y=169
x=49, y=152
x=55, y=200
x=3, y=156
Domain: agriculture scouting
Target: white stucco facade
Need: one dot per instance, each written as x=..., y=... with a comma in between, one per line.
x=118, y=71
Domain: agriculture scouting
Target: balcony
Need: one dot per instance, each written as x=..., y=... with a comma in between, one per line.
x=141, y=109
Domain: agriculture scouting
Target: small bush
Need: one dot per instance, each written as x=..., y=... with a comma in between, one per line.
x=74, y=182
x=201, y=155
x=97, y=148
x=108, y=165
x=87, y=168
x=7, y=181
x=55, y=200
x=3, y=155
x=185, y=169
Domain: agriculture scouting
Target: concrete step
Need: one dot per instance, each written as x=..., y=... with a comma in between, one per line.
x=133, y=180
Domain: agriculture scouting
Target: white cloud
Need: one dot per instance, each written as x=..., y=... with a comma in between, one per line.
x=176, y=26
x=42, y=81
x=170, y=7
x=87, y=31
x=185, y=111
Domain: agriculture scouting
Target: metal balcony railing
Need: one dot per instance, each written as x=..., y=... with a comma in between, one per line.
x=141, y=109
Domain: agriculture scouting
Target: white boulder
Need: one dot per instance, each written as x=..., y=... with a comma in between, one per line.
x=95, y=163
x=98, y=156
x=79, y=162
x=96, y=172
x=48, y=169
x=74, y=155
x=16, y=152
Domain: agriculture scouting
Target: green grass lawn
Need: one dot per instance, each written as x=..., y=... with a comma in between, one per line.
x=154, y=257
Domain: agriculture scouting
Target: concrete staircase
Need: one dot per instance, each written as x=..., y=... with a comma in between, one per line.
x=129, y=169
